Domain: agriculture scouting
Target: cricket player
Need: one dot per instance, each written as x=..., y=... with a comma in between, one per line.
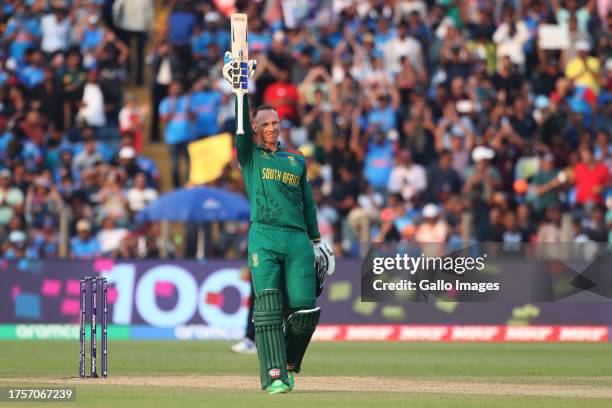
x=286, y=255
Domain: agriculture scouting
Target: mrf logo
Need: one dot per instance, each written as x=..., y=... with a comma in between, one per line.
x=275, y=373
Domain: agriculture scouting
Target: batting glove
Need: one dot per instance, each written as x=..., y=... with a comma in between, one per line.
x=228, y=66
x=325, y=263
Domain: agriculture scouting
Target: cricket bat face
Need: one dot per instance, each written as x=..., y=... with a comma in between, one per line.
x=240, y=47
x=240, y=52
x=240, y=68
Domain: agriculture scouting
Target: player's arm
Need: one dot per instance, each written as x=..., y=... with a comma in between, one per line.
x=325, y=261
x=310, y=210
x=244, y=141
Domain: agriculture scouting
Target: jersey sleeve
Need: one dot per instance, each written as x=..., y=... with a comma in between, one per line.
x=310, y=210
x=244, y=143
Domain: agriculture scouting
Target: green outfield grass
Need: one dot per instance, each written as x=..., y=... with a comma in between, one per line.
x=476, y=368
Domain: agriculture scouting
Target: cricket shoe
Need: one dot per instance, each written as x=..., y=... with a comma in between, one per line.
x=277, y=387
x=244, y=346
x=291, y=380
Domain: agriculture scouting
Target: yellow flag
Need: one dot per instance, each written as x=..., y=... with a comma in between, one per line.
x=208, y=157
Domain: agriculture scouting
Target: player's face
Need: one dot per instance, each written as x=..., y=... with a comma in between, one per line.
x=267, y=127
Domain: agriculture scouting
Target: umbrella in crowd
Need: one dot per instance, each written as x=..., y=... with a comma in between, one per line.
x=197, y=205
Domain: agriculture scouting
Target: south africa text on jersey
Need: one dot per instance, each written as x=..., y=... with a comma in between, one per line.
x=277, y=175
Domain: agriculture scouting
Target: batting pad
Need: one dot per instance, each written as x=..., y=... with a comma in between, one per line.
x=298, y=332
x=268, y=322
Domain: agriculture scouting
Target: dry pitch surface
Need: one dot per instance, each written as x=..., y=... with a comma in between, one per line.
x=569, y=387
x=151, y=374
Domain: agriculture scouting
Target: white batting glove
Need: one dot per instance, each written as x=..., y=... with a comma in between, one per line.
x=325, y=263
x=228, y=66
x=325, y=260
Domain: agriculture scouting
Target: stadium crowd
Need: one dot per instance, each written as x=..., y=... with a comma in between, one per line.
x=412, y=114
x=70, y=136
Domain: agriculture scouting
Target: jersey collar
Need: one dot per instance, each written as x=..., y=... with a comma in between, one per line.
x=261, y=146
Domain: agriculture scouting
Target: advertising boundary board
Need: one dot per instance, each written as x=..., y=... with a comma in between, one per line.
x=187, y=299
x=334, y=332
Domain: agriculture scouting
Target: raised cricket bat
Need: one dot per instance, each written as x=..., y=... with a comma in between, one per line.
x=240, y=70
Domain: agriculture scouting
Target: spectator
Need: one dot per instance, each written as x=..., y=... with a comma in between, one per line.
x=84, y=246
x=378, y=160
x=596, y=228
x=165, y=69
x=563, y=14
x=397, y=223
x=22, y=32
x=42, y=202
x=433, y=229
x=175, y=115
x=93, y=105
x=576, y=38
x=11, y=198
x=442, y=180
x=590, y=178
x=418, y=132
x=545, y=182
x=481, y=178
x=205, y=106
x=383, y=113
x=131, y=122
x=73, y=81
x=55, y=28
x=110, y=197
x=512, y=236
x=50, y=94
x=33, y=74
x=317, y=94
x=45, y=241
x=583, y=69
x=134, y=19
x=88, y=157
x=365, y=214
x=139, y=196
x=283, y=95
x=181, y=24
x=550, y=230
x=129, y=163
x=150, y=242
x=345, y=192
x=110, y=237
x=506, y=80
x=407, y=178
x=91, y=34
x=214, y=33
x=603, y=148
x=510, y=38
x=17, y=247
x=111, y=60
x=525, y=222
x=402, y=46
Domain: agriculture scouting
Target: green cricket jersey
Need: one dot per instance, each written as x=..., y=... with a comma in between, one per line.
x=276, y=183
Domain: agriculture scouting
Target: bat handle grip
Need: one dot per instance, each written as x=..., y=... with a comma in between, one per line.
x=240, y=114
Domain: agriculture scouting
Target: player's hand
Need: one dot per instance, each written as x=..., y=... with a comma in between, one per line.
x=228, y=66
x=325, y=263
x=324, y=257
